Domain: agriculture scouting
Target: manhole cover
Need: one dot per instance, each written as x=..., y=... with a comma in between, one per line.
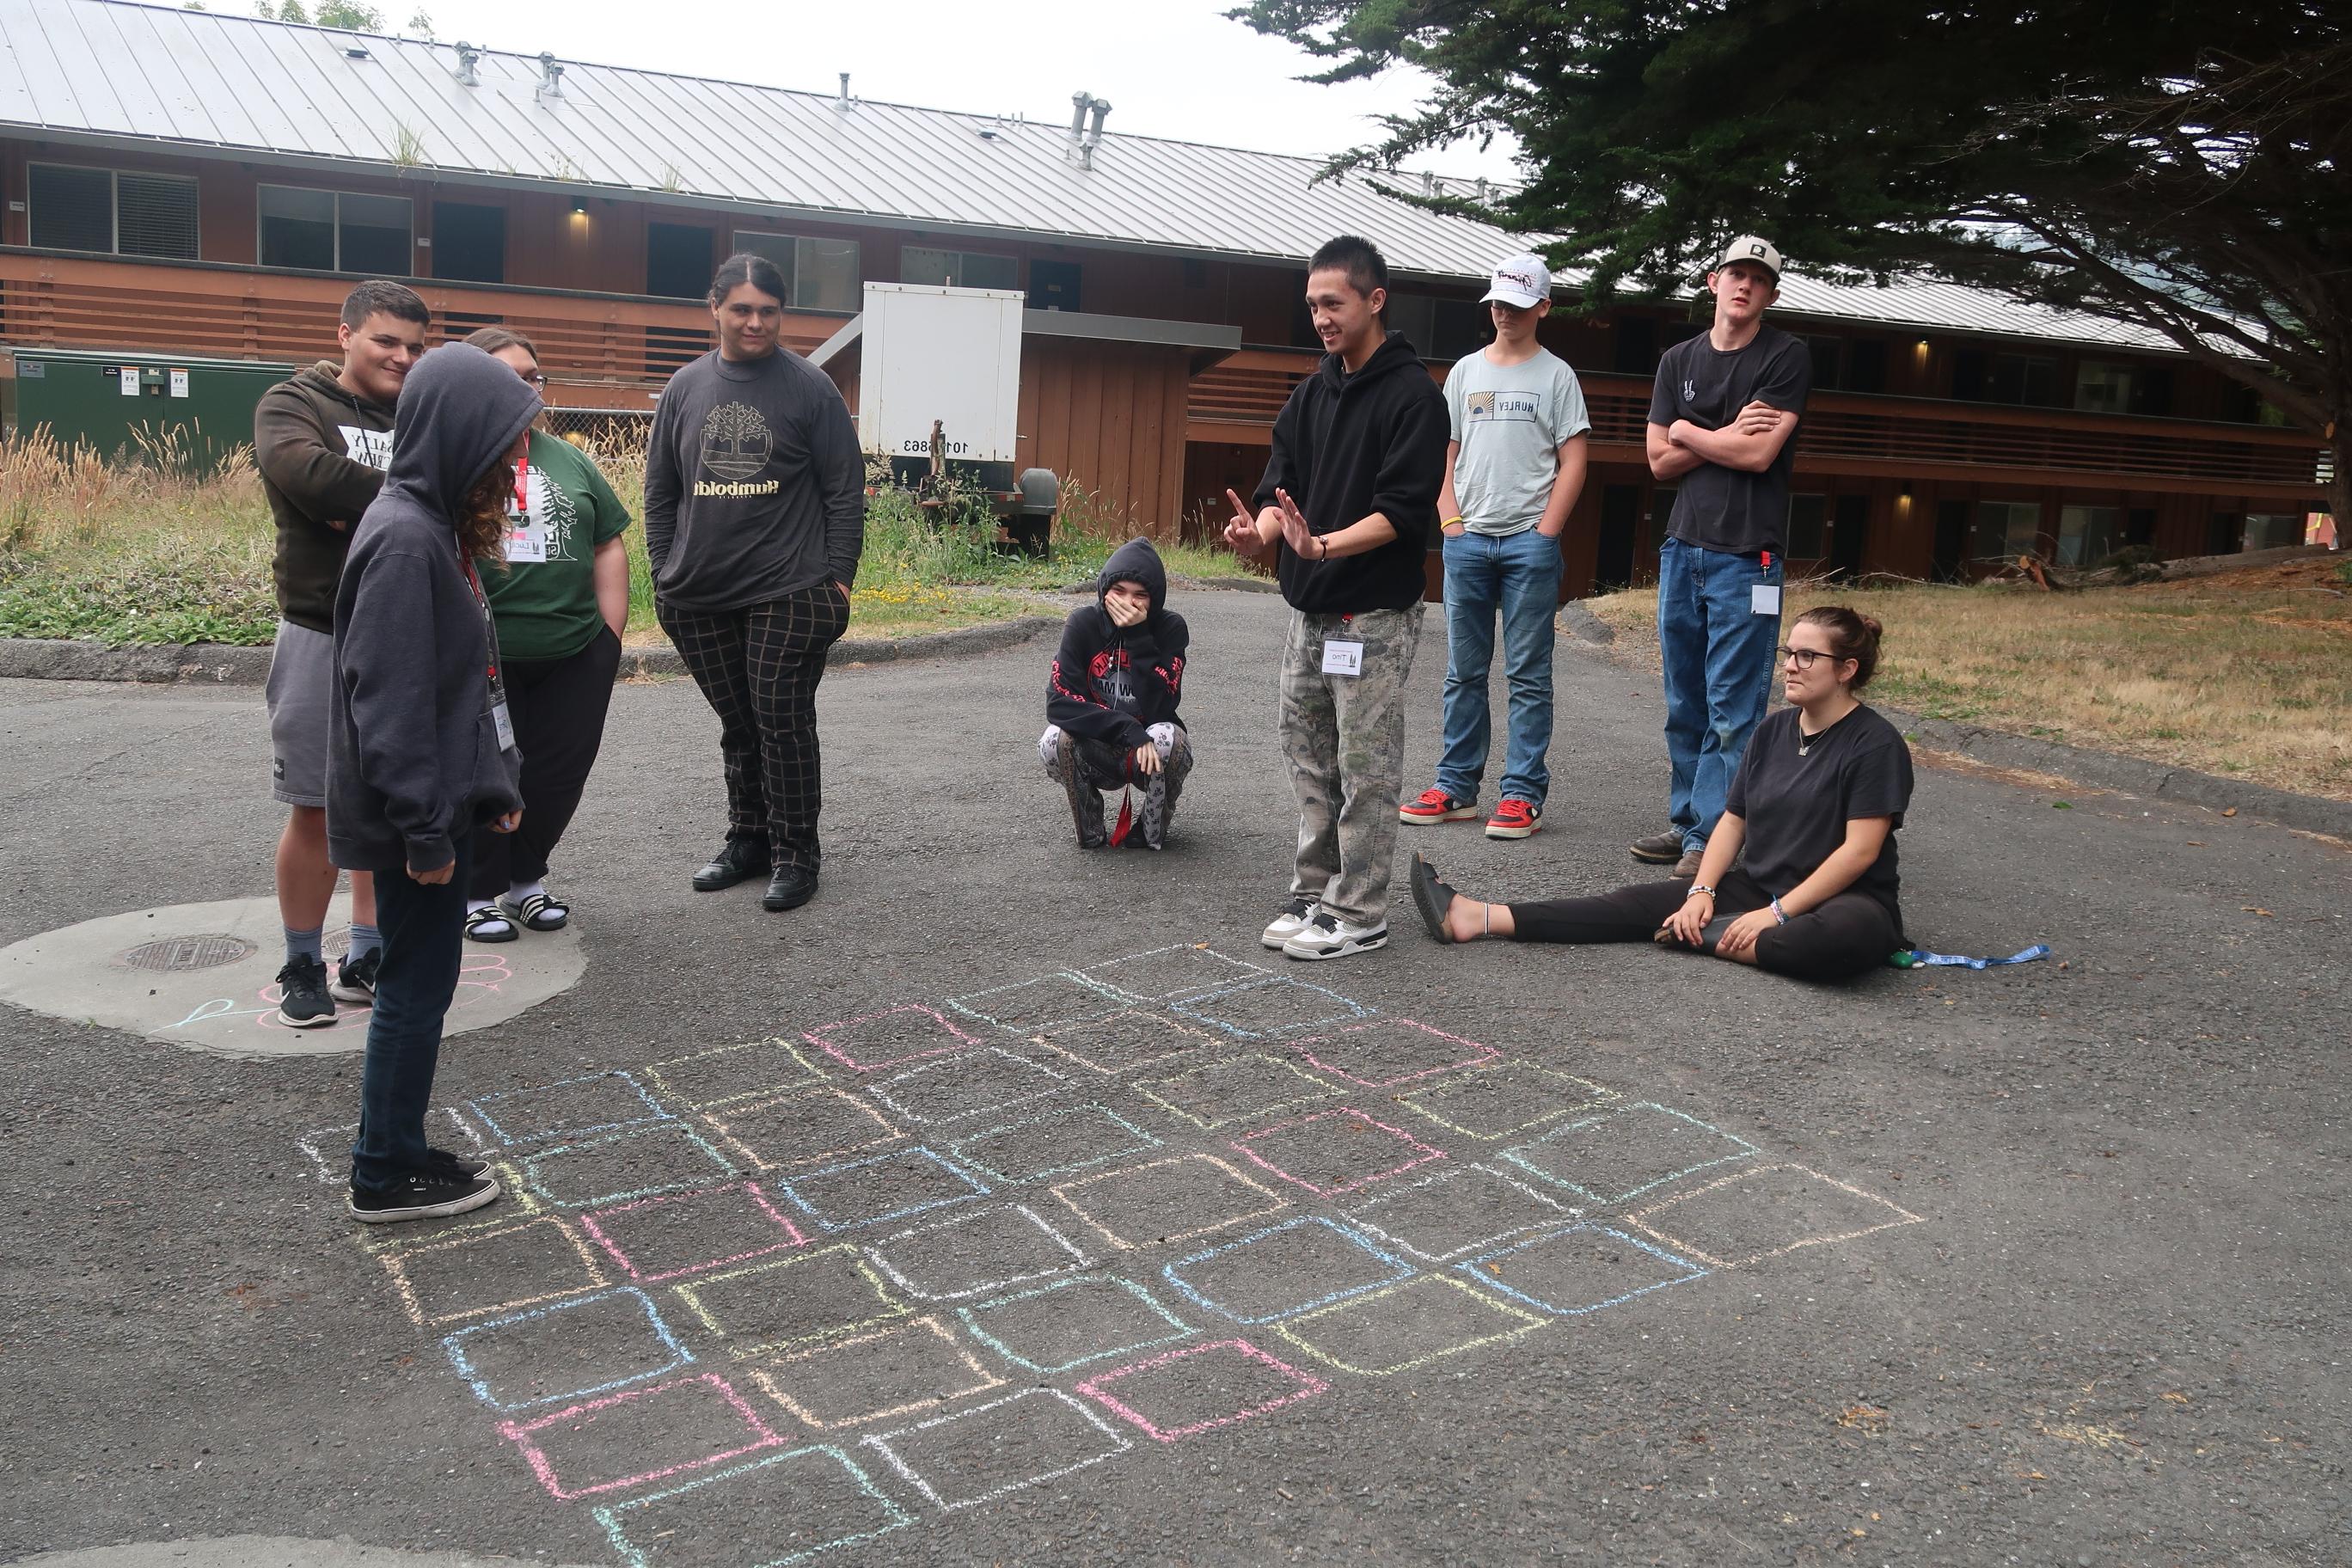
x=179, y=954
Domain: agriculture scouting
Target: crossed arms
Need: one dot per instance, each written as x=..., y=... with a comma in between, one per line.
x=1749, y=443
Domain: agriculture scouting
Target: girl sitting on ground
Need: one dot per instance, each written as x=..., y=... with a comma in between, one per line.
x=1810, y=821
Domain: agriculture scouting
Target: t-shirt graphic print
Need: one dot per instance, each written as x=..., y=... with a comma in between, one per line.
x=1514, y=407
x=373, y=447
x=547, y=528
x=735, y=445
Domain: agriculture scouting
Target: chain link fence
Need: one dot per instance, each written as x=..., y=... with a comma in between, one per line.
x=603, y=433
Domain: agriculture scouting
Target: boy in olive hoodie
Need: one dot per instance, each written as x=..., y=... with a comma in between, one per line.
x=321, y=441
x=1111, y=699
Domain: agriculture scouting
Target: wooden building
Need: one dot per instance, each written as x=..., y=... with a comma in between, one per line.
x=224, y=206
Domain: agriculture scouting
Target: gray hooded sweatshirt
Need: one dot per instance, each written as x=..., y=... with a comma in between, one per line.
x=413, y=758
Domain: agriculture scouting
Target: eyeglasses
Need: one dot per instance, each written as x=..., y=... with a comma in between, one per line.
x=534, y=379
x=1803, y=658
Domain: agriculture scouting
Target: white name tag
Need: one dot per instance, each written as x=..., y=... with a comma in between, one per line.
x=1764, y=599
x=1343, y=658
x=503, y=724
x=526, y=542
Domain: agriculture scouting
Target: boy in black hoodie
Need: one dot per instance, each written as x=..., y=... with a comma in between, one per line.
x=421, y=748
x=1111, y=699
x=1348, y=504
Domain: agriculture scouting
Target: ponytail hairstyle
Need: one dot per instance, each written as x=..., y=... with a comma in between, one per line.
x=1852, y=635
x=745, y=268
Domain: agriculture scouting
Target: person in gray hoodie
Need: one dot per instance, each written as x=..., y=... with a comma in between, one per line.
x=421, y=748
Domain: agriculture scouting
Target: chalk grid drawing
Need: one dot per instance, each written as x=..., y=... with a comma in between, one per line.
x=752, y=1304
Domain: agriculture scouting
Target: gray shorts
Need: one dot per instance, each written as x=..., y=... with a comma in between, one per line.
x=302, y=683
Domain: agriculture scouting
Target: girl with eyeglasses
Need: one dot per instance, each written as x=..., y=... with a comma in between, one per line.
x=562, y=599
x=1800, y=877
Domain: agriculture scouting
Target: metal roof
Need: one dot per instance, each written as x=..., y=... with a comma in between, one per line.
x=110, y=71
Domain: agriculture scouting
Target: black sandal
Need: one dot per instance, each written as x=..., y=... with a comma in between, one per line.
x=489, y=914
x=542, y=913
x=1431, y=896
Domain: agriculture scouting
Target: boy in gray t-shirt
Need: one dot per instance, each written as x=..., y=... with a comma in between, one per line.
x=1513, y=471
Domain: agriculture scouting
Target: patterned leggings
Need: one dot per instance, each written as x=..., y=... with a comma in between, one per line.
x=758, y=667
x=1084, y=768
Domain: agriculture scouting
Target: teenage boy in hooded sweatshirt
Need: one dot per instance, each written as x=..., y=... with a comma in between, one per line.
x=1111, y=699
x=422, y=749
x=321, y=441
x=1348, y=504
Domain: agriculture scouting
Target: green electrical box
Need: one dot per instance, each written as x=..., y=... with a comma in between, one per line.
x=124, y=402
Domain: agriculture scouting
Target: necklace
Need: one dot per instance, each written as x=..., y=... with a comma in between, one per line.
x=1805, y=742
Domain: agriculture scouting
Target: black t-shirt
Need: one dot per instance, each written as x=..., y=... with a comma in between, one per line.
x=1796, y=807
x=1723, y=508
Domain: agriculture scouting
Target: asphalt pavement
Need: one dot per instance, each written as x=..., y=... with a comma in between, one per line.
x=1491, y=1255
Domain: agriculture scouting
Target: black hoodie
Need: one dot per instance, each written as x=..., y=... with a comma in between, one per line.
x=1346, y=447
x=412, y=757
x=1111, y=683
x=320, y=449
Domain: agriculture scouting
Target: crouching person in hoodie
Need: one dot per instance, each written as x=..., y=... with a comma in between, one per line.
x=422, y=749
x=1111, y=700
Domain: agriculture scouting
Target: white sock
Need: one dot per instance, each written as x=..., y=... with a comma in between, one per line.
x=521, y=890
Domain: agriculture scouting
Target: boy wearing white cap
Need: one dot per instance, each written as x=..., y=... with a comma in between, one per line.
x=1513, y=470
x=1723, y=420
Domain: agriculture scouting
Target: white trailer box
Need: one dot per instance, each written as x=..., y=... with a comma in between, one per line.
x=949, y=357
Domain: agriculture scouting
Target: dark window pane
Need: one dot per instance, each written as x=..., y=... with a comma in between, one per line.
x=378, y=252
x=157, y=216
x=1866, y=365
x=1809, y=518
x=73, y=209
x=678, y=262
x=297, y=227
x=469, y=242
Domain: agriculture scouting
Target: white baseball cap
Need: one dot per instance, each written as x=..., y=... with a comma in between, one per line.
x=1521, y=280
x=1752, y=248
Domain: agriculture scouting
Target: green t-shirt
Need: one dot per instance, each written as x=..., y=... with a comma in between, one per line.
x=545, y=601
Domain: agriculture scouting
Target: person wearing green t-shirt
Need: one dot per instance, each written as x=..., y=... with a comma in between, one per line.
x=558, y=599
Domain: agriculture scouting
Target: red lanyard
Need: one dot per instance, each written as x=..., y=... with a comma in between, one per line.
x=489, y=626
x=523, y=486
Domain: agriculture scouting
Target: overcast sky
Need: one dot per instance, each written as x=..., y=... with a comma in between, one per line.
x=1169, y=68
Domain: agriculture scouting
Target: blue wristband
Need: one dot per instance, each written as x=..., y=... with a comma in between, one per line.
x=1778, y=912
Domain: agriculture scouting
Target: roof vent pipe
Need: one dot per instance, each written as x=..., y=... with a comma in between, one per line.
x=1101, y=107
x=1079, y=103
x=550, y=84
x=467, y=56
x=841, y=102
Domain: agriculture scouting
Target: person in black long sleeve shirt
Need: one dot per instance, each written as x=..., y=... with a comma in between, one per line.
x=1348, y=505
x=1111, y=697
x=755, y=517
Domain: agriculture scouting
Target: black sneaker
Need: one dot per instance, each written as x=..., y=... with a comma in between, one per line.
x=1658, y=849
x=303, y=1002
x=426, y=1193
x=465, y=1167
x=737, y=860
x=355, y=979
x=789, y=889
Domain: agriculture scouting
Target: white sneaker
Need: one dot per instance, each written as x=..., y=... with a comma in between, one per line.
x=1289, y=923
x=1328, y=936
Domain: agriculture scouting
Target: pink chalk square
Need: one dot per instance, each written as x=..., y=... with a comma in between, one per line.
x=669, y=1238
x=1178, y=1394
x=604, y=1445
x=806, y=1128
x=886, y=1038
x=1335, y=1151
x=1390, y=1051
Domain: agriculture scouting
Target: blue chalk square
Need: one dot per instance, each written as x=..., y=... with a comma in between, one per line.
x=1072, y=1323
x=1579, y=1269
x=568, y=1350
x=570, y=1107
x=805, y=1501
x=1620, y=1154
x=1286, y=1269
x=1262, y=1009
x=882, y=1187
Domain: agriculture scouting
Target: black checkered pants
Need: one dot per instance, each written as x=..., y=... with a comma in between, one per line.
x=758, y=667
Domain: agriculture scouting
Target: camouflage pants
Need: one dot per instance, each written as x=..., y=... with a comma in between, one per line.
x=1085, y=768
x=1344, y=738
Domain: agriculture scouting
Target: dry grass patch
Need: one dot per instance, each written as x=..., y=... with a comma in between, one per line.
x=2248, y=674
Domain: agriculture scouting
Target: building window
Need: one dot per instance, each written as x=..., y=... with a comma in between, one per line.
x=819, y=274
x=2086, y=534
x=1809, y=527
x=2272, y=529
x=469, y=242
x=2007, y=529
x=2103, y=388
x=958, y=268
x=112, y=212
x=1827, y=354
x=1979, y=376
x=334, y=231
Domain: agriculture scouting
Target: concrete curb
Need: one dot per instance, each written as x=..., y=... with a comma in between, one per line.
x=2079, y=764
x=221, y=664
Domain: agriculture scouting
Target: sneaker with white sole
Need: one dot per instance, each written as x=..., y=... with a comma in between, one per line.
x=1289, y=923
x=355, y=978
x=423, y=1193
x=1433, y=805
x=303, y=999
x=1515, y=819
x=1328, y=936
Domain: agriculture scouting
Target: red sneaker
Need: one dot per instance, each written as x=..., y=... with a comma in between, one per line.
x=1514, y=818
x=1435, y=806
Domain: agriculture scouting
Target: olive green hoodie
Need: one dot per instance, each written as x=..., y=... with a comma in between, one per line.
x=322, y=451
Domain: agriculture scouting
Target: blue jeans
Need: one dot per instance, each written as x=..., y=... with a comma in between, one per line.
x=1518, y=574
x=1717, y=654
x=424, y=944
